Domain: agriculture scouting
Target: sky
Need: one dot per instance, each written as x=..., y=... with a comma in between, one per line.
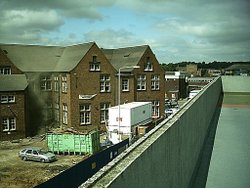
x=175, y=30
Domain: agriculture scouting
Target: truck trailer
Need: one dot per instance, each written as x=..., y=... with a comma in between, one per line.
x=132, y=115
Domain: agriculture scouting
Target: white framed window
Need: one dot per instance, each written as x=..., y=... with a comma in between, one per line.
x=46, y=83
x=8, y=124
x=155, y=82
x=104, y=112
x=4, y=99
x=12, y=124
x=56, y=83
x=65, y=114
x=5, y=70
x=125, y=84
x=105, y=83
x=94, y=65
x=148, y=66
x=8, y=99
x=141, y=82
x=156, y=108
x=11, y=98
x=64, y=84
x=85, y=114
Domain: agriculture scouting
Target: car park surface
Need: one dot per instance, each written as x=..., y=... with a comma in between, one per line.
x=16, y=173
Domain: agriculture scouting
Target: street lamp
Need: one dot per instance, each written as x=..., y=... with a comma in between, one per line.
x=119, y=94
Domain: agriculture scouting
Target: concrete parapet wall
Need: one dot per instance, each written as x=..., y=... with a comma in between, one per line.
x=238, y=84
x=166, y=156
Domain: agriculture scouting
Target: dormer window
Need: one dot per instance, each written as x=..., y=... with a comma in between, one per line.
x=148, y=65
x=5, y=70
x=94, y=65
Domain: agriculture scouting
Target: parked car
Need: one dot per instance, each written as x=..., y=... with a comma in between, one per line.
x=36, y=154
x=106, y=143
x=168, y=111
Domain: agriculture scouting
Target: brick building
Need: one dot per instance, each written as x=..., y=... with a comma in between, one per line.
x=13, y=106
x=74, y=86
x=176, y=85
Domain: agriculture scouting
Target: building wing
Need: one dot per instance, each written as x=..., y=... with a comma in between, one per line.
x=122, y=57
x=35, y=58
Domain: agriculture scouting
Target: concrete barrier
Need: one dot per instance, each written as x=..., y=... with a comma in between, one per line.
x=167, y=155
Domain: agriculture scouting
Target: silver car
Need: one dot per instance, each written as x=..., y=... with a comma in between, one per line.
x=36, y=154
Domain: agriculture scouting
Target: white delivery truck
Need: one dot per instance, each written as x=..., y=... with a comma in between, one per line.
x=132, y=115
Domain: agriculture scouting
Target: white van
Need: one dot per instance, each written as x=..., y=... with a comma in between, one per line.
x=193, y=93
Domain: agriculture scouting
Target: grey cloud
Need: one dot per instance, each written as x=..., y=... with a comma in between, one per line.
x=75, y=8
x=110, y=38
x=29, y=20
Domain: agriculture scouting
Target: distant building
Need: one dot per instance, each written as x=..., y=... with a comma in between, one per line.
x=196, y=83
x=241, y=69
x=214, y=72
x=176, y=85
x=192, y=69
x=74, y=86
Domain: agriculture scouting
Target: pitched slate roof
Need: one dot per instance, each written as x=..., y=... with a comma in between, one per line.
x=13, y=82
x=121, y=57
x=35, y=58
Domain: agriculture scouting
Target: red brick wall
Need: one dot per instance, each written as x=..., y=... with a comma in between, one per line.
x=17, y=110
x=85, y=82
x=150, y=95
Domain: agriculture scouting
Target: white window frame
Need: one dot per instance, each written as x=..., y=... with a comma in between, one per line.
x=94, y=65
x=12, y=124
x=141, y=82
x=46, y=83
x=156, y=109
x=65, y=114
x=155, y=82
x=104, y=112
x=64, y=84
x=105, y=83
x=9, y=124
x=148, y=66
x=85, y=114
x=5, y=99
x=56, y=83
x=125, y=84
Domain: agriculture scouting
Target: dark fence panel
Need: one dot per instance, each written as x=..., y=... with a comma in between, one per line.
x=78, y=174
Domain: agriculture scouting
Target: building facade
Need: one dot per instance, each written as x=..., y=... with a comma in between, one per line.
x=73, y=86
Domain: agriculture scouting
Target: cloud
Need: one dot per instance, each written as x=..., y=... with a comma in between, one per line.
x=110, y=38
x=75, y=9
x=176, y=30
x=29, y=21
x=27, y=25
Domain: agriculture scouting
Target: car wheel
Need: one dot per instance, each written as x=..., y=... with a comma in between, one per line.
x=43, y=160
x=24, y=158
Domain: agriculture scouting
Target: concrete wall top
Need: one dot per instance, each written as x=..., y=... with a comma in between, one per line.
x=233, y=84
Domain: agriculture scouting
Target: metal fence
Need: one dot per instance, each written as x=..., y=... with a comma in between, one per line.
x=78, y=174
